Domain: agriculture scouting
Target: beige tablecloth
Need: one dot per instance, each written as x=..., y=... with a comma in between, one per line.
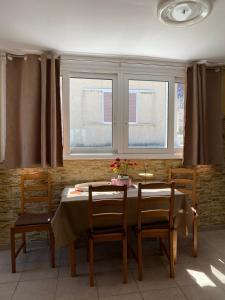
x=71, y=217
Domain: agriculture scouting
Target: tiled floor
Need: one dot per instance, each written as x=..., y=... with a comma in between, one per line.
x=196, y=278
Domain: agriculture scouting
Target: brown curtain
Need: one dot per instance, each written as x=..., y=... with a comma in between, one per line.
x=33, y=117
x=203, y=142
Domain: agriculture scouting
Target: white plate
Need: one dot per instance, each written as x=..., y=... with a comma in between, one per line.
x=83, y=187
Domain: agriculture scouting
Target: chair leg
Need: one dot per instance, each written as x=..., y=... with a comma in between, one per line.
x=171, y=256
x=139, y=257
x=195, y=237
x=52, y=247
x=175, y=246
x=24, y=242
x=125, y=271
x=13, y=250
x=91, y=261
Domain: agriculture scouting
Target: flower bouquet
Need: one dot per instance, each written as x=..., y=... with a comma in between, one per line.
x=120, y=168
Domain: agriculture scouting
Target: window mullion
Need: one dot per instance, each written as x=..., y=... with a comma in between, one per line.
x=120, y=114
x=171, y=110
x=115, y=128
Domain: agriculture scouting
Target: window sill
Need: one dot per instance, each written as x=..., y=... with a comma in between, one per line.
x=86, y=156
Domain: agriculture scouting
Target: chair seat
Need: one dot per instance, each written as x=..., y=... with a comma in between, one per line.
x=33, y=219
x=105, y=230
x=155, y=225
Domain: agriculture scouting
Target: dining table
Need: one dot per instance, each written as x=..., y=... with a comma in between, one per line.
x=71, y=217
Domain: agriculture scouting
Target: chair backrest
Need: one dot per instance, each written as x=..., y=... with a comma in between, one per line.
x=104, y=210
x=152, y=207
x=35, y=188
x=185, y=182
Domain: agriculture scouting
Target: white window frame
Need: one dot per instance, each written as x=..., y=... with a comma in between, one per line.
x=178, y=150
x=121, y=70
x=66, y=114
x=170, y=126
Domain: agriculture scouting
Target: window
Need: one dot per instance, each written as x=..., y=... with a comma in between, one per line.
x=130, y=111
x=107, y=98
x=150, y=127
x=179, y=115
x=132, y=106
x=90, y=113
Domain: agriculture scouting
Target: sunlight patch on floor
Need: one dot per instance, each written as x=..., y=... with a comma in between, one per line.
x=219, y=275
x=220, y=260
x=201, y=278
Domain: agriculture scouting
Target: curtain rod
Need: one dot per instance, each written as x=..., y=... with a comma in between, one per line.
x=212, y=64
x=10, y=57
x=24, y=56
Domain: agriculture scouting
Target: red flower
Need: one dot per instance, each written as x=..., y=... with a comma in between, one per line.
x=117, y=159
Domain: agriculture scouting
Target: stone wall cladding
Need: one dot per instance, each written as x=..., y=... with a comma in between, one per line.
x=210, y=187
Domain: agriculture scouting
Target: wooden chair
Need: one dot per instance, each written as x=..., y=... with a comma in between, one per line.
x=110, y=211
x=185, y=181
x=155, y=222
x=31, y=184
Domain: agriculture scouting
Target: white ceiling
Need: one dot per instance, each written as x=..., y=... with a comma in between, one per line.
x=111, y=27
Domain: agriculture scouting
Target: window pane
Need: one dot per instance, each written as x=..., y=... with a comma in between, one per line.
x=179, y=115
x=132, y=107
x=90, y=112
x=107, y=107
x=148, y=124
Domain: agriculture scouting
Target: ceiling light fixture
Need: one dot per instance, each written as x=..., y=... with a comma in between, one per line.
x=182, y=13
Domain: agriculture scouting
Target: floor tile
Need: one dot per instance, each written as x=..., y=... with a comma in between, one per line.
x=36, y=290
x=196, y=278
x=7, y=290
x=151, y=261
x=203, y=293
x=108, y=265
x=155, y=278
x=111, y=283
x=133, y=296
x=7, y=276
x=82, y=269
x=215, y=270
x=76, y=288
x=190, y=274
x=38, y=271
x=164, y=294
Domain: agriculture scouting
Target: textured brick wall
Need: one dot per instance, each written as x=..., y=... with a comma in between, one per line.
x=210, y=186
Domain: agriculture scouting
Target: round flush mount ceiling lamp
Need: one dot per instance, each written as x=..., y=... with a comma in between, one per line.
x=182, y=13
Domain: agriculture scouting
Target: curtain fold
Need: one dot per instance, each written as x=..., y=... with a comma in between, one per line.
x=33, y=117
x=203, y=141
